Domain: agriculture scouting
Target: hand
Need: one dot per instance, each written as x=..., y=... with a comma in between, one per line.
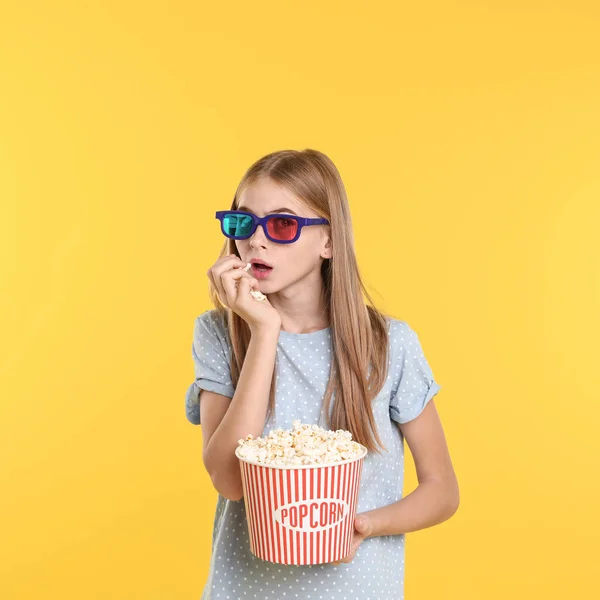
x=233, y=285
x=363, y=527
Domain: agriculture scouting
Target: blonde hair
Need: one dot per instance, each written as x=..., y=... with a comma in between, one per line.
x=358, y=331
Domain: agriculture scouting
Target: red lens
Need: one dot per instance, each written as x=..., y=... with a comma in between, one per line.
x=282, y=228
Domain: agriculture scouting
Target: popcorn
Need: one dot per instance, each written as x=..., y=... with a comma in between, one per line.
x=256, y=294
x=302, y=445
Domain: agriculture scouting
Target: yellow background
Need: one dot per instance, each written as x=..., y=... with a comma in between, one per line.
x=125, y=126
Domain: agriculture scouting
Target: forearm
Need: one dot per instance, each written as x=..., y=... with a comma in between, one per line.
x=245, y=415
x=431, y=503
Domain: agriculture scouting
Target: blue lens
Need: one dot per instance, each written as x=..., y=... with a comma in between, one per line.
x=237, y=224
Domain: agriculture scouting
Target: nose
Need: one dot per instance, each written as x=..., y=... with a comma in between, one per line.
x=257, y=237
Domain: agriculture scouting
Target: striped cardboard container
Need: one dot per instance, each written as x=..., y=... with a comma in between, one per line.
x=301, y=515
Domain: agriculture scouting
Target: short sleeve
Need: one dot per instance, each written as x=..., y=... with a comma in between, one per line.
x=413, y=384
x=211, y=364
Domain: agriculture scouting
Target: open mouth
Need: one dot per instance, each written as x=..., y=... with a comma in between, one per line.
x=262, y=268
x=261, y=271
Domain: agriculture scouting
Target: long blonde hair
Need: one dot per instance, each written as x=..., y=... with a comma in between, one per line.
x=358, y=331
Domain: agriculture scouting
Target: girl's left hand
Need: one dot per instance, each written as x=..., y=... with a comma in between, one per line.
x=363, y=527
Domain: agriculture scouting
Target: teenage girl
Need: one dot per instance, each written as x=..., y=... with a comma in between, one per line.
x=313, y=351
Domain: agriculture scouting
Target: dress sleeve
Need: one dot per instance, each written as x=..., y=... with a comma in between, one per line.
x=413, y=384
x=211, y=365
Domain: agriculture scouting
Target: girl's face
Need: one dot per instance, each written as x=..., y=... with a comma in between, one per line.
x=290, y=262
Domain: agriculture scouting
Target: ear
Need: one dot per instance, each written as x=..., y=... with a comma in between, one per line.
x=327, y=250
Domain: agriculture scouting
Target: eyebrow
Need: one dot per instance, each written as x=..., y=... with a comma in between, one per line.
x=277, y=210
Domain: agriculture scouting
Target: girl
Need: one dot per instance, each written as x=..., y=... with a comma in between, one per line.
x=314, y=351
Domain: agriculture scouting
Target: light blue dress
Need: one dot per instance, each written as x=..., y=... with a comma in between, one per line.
x=302, y=368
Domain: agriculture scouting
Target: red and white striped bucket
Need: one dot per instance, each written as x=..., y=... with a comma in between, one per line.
x=304, y=514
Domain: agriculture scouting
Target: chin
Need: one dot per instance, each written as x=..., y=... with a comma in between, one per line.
x=267, y=287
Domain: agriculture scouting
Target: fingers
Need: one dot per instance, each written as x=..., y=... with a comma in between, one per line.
x=347, y=559
x=244, y=287
x=230, y=281
x=223, y=264
x=237, y=284
x=247, y=284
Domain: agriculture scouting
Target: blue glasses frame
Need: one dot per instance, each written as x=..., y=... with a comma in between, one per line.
x=256, y=221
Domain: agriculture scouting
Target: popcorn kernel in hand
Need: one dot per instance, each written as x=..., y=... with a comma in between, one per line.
x=256, y=294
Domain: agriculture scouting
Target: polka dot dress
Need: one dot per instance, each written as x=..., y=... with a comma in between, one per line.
x=303, y=363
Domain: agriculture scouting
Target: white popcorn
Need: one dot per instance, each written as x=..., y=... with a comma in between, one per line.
x=302, y=445
x=258, y=295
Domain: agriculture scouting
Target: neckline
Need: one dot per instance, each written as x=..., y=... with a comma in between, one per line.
x=303, y=336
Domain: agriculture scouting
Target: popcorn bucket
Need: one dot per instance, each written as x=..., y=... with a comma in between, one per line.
x=301, y=514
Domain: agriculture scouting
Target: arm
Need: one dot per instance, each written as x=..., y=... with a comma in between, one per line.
x=436, y=498
x=246, y=414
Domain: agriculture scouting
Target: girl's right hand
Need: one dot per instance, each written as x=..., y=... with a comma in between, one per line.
x=233, y=285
